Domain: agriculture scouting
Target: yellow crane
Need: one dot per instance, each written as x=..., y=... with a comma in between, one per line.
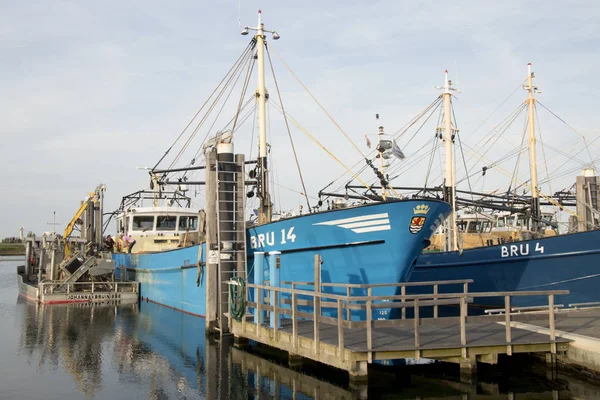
x=91, y=199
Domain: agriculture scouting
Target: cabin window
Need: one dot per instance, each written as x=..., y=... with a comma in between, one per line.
x=486, y=226
x=143, y=222
x=166, y=223
x=462, y=226
x=501, y=223
x=190, y=223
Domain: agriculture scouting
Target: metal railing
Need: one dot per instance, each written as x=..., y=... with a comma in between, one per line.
x=89, y=287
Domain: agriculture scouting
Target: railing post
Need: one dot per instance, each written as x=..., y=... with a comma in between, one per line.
x=316, y=306
x=348, y=310
x=370, y=325
x=275, y=322
x=317, y=303
x=463, y=326
x=259, y=279
x=340, y=322
x=294, y=318
x=116, y=287
x=92, y=287
x=466, y=287
x=435, y=298
x=552, y=322
x=403, y=293
x=508, y=327
x=417, y=322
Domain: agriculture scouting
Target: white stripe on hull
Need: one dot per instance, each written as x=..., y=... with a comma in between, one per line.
x=354, y=219
x=373, y=229
x=366, y=223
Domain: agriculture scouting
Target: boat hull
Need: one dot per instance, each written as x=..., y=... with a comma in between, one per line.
x=375, y=243
x=570, y=262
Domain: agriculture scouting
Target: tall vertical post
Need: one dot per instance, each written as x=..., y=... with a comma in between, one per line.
x=265, y=211
x=28, y=253
x=225, y=213
x=212, y=246
x=52, y=273
x=259, y=279
x=381, y=165
x=98, y=210
x=535, y=201
x=42, y=260
x=240, y=218
x=274, y=264
x=451, y=240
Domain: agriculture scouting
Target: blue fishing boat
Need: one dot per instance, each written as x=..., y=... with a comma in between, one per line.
x=363, y=243
x=568, y=261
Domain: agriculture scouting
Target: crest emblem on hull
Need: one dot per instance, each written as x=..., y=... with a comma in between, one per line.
x=416, y=224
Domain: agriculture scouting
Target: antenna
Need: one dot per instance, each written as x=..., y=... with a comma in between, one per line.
x=53, y=223
x=240, y=13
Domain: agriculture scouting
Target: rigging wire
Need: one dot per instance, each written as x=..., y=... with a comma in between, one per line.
x=287, y=125
x=211, y=108
x=311, y=137
x=248, y=47
x=573, y=129
x=543, y=147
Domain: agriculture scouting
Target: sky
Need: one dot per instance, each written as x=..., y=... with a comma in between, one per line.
x=92, y=90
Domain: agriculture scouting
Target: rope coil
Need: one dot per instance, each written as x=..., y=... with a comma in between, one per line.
x=237, y=298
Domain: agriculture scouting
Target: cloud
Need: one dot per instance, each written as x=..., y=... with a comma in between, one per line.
x=91, y=90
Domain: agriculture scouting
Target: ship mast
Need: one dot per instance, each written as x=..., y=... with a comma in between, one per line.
x=265, y=210
x=535, y=200
x=451, y=239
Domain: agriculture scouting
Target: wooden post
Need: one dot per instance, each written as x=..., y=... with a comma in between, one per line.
x=259, y=312
x=552, y=322
x=370, y=325
x=348, y=310
x=294, y=320
x=316, y=315
x=340, y=322
x=212, y=246
x=275, y=325
x=417, y=323
x=435, y=307
x=507, y=323
x=403, y=293
x=463, y=327
x=317, y=302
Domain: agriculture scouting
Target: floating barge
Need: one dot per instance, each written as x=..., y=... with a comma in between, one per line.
x=65, y=269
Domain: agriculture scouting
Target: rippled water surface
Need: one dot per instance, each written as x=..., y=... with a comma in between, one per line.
x=150, y=352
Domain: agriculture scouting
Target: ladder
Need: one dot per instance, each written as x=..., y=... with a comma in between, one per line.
x=231, y=232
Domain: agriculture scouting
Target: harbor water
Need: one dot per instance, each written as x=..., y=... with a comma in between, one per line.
x=148, y=351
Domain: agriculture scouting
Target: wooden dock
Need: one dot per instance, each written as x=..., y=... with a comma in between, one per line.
x=328, y=332
x=581, y=326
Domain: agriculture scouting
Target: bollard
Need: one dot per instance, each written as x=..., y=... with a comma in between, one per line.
x=274, y=257
x=259, y=279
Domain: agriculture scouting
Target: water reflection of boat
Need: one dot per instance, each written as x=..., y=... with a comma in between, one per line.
x=70, y=336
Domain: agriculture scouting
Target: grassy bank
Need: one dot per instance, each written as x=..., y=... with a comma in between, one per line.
x=12, y=249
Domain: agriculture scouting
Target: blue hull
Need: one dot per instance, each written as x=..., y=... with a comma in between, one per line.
x=375, y=243
x=569, y=262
